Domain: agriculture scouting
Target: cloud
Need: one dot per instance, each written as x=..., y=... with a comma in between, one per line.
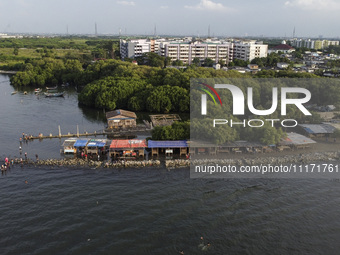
x=164, y=7
x=328, y=5
x=131, y=3
x=208, y=5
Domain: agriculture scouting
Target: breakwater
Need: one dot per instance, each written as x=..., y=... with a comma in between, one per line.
x=176, y=163
x=78, y=162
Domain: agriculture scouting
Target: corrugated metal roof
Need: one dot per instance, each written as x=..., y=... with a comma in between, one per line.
x=128, y=144
x=69, y=142
x=117, y=112
x=81, y=143
x=97, y=143
x=167, y=144
x=296, y=139
x=318, y=128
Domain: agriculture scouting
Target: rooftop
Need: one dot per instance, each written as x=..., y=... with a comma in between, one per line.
x=167, y=144
x=118, y=112
x=296, y=139
x=318, y=128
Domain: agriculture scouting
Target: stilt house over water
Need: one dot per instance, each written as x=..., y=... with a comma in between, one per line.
x=121, y=119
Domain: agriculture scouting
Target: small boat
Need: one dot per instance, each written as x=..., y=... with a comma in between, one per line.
x=37, y=91
x=25, y=92
x=52, y=88
x=65, y=84
x=14, y=92
x=60, y=94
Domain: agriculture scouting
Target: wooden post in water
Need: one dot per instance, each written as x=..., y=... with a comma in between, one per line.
x=59, y=131
x=77, y=131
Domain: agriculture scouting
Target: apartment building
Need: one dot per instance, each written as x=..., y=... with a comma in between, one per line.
x=312, y=44
x=248, y=50
x=134, y=48
x=188, y=51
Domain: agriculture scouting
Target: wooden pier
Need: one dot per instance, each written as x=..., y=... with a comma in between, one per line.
x=108, y=132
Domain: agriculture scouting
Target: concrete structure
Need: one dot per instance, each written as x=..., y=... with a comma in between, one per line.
x=312, y=44
x=134, y=48
x=248, y=50
x=187, y=52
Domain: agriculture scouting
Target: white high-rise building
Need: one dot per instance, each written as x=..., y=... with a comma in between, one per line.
x=248, y=50
x=134, y=48
x=187, y=51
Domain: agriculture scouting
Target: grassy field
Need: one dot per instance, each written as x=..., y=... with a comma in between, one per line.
x=55, y=47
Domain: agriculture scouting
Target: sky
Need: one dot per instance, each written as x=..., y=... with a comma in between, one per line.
x=311, y=18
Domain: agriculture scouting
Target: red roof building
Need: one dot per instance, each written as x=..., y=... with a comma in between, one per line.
x=284, y=48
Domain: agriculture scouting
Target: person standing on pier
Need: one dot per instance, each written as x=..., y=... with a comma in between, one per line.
x=25, y=155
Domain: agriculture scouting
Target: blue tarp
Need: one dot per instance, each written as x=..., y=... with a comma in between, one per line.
x=167, y=144
x=96, y=143
x=80, y=143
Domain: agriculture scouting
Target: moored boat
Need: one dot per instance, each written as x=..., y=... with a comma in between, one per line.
x=60, y=94
x=37, y=91
x=52, y=88
x=14, y=92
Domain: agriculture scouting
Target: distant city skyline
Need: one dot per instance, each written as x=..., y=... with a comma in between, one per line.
x=310, y=18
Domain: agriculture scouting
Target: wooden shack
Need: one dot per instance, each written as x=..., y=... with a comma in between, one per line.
x=127, y=148
x=96, y=146
x=317, y=130
x=168, y=147
x=121, y=119
x=164, y=119
x=68, y=146
x=80, y=145
x=295, y=141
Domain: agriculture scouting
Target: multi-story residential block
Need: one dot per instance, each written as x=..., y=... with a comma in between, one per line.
x=312, y=44
x=248, y=50
x=134, y=48
x=188, y=51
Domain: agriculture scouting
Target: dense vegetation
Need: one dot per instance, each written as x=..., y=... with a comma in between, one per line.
x=177, y=131
x=270, y=61
x=145, y=88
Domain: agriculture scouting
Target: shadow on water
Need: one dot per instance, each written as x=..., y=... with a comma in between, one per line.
x=93, y=115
